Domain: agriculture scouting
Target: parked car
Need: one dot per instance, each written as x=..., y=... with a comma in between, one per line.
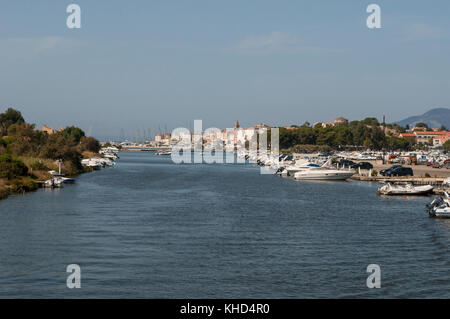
x=437, y=165
x=344, y=162
x=446, y=164
x=362, y=165
x=389, y=168
x=397, y=171
x=393, y=159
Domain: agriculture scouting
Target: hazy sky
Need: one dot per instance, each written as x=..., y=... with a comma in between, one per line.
x=148, y=64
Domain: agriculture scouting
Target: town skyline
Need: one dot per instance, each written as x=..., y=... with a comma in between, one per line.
x=143, y=133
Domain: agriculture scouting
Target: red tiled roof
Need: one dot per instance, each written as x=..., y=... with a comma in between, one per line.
x=431, y=133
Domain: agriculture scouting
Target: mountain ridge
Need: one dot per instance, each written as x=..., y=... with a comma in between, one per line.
x=433, y=118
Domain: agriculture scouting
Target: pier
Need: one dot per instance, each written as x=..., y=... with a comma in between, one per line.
x=435, y=181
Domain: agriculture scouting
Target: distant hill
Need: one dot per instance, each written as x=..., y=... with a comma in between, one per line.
x=433, y=118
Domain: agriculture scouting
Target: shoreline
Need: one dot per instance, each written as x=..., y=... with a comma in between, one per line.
x=35, y=182
x=423, y=175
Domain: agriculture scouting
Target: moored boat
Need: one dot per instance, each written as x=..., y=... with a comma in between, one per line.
x=440, y=207
x=323, y=173
x=53, y=182
x=408, y=189
x=163, y=153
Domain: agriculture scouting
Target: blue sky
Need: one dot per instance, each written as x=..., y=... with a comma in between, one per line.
x=137, y=66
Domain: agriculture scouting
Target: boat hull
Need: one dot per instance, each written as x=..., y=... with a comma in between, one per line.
x=440, y=213
x=418, y=191
x=323, y=176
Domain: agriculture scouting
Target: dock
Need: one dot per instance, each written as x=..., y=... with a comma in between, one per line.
x=435, y=181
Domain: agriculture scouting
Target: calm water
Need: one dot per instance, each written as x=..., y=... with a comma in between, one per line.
x=150, y=229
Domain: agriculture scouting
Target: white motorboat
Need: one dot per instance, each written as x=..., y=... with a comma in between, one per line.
x=55, y=173
x=446, y=182
x=97, y=163
x=110, y=156
x=440, y=207
x=442, y=211
x=299, y=165
x=54, y=182
x=408, y=189
x=110, y=149
x=67, y=180
x=164, y=153
x=323, y=173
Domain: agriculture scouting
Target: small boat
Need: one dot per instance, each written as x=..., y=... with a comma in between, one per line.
x=446, y=182
x=408, y=189
x=53, y=182
x=55, y=173
x=323, y=173
x=291, y=169
x=58, y=176
x=110, y=156
x=67, y=180
x=440, y=207
x=164, y=153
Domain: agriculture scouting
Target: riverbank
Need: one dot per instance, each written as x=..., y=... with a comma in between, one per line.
x=28, y=154
x=38, y=170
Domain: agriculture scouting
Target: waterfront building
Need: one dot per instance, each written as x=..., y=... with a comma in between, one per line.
x=411, y=137
x=336, y=122
x=261, y=125
x=441, y=139
x=427, y=137
x=163, y=138
x=50, y=130
x=340, y=121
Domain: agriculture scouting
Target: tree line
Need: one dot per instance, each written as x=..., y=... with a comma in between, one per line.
x=366, y=133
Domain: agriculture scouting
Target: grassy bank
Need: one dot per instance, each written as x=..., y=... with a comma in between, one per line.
x=37, y=169
x=28, y=154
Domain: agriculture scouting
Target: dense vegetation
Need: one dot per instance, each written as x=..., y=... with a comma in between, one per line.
x=8, y=118
x=447, y=146
x=26, y=154
x=366, y=133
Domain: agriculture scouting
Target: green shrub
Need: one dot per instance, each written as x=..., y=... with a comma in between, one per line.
x=90, y=144
x=3, y=193
x=39, y=166
x=11, y=168
x=23, y=185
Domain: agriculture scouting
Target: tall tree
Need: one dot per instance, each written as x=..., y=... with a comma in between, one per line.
x=8, y=118
x=74, y=133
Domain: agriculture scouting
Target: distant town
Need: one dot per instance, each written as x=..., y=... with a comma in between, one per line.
x=419, y=134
